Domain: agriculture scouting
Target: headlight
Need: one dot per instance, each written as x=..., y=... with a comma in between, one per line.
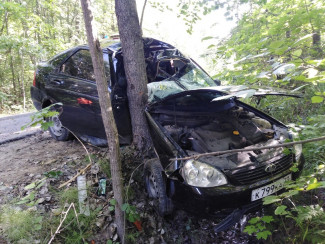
x=200, y=174
x=298, y=151
x=297, y=147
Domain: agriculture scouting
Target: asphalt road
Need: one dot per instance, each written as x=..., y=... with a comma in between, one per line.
x=10, y=127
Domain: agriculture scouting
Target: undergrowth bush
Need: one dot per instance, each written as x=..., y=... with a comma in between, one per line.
x=19, y=225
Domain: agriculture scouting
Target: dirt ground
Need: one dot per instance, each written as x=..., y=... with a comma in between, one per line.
x=24, y=161
x=34, y=155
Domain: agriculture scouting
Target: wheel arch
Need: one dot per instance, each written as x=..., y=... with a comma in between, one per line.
x=46, y=103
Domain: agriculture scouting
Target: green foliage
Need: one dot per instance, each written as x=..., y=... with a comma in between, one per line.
x=258, y=226
x=68, y=196
x=30, y=199
x=280, y=44
x=308, y=218
x=33, y=31
x=53, y=174
x=104, y=166
x=20, y=225
x=276, y=45
x=130, y=212
x=40, y=117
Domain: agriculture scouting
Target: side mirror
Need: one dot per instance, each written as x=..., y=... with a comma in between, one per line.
x=217, y=81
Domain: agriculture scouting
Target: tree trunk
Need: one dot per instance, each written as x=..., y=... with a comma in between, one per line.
x=22, y=79
x=12, y=73
x=107, y=115
x=317, y=44
x=135, y=69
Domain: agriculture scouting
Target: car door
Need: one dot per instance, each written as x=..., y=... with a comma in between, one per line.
x=74, y=86
x=117, y=86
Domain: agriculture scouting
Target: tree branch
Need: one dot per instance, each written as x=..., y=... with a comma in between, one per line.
x=249, y=149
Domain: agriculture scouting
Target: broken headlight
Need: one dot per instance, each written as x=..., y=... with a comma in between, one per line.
x=298, y=151
x=297, y=147
x=200, y=174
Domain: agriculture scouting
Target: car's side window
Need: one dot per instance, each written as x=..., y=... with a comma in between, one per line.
x=79, y=65
x=107, y=68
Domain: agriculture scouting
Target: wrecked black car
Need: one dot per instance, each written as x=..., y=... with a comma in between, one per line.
x=188, y=113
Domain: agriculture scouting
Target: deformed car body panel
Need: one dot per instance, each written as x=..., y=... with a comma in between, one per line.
x=187, y=113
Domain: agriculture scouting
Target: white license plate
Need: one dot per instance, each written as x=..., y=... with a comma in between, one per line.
x=269, y=189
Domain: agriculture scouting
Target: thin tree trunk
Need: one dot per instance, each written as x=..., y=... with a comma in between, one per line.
x=142, y=14
x=5, y=22
x=135, y=69
x=107, y=115
x=12, y=72
x=22, y=79
x=317, y=44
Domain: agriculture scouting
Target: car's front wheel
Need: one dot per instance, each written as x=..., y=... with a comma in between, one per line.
x=156, y=186
x=57, y=131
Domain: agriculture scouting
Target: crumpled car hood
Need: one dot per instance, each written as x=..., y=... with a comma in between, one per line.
x=227, y=92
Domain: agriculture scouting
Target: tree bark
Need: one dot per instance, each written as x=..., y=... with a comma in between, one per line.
x=135, y=69
x=107, y=115
x=12, y=73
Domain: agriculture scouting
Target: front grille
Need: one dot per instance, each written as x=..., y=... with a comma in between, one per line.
x=252, y=174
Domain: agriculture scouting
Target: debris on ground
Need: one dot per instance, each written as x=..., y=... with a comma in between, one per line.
x=32, y=169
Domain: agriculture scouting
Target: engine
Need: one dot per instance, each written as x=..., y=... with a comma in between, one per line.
x=232, y=129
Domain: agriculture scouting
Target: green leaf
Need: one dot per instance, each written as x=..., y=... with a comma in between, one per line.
x=304, y=38
x=267, y=219
x=22, y=201
x=271, y=199
x=30, y=186
x=313, y=186
x=263, y=234
x=250, y=229
x=289, y=193
x=254, y=220
x=112, y=202
x=37, y=227
x=131, y=218
x=40, y=184
x=206, y=38
x=281, y=210
x=124, y=206
x=297, y=52
x=317, y=99
x=294, y=169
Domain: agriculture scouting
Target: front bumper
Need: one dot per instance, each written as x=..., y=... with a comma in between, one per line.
x=219, y=200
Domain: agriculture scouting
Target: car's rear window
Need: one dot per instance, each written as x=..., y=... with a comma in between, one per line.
x=59, y=58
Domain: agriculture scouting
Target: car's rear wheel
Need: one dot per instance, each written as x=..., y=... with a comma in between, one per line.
x=156, y=187
x=57, y=131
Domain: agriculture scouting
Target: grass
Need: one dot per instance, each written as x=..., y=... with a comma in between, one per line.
x=20, y=225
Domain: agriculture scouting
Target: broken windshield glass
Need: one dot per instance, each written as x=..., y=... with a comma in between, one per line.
x=175, y=75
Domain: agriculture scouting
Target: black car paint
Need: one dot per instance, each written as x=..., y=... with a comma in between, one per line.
x=205, y=201
x=53, y=86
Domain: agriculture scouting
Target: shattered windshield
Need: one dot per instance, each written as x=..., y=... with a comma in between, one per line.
x=174, y=75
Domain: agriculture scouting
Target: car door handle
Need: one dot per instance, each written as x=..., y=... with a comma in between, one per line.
x=57, y=82
x=118, y=98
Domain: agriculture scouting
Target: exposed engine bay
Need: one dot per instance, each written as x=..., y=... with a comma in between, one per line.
x=234, y=128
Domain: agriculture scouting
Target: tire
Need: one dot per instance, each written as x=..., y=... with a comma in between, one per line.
x=156, y=187
x=57, y=131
